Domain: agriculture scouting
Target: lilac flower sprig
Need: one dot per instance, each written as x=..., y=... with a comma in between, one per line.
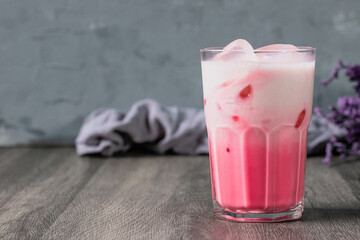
x=352, y=71
x=346, y=115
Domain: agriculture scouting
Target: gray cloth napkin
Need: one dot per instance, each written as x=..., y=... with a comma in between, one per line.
x=149, y=124
x=320, y=131
x=162, y=128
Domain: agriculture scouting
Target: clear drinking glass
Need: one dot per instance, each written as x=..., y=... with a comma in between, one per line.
x=257, y=114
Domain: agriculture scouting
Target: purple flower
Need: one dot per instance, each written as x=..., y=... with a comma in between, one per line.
x=345, y=115
x=334, y=74
x=328, y=154
x=319, y=112
x=353, y=72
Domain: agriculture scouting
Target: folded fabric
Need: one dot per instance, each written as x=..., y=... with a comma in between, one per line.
x=320, y=131
x=162, y=129
x=149, y=124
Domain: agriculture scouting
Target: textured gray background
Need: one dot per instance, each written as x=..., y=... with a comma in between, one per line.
x=61, y=59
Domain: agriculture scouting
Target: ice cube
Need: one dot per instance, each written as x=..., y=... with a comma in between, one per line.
x=278, y=47
x=239, y=49
x=279, y=53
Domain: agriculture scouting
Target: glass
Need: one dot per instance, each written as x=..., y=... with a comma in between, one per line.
x=257, y=114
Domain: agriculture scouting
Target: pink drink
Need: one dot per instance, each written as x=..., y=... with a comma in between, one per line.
x=258, y=107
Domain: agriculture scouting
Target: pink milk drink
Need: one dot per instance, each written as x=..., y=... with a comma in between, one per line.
x=258, y=105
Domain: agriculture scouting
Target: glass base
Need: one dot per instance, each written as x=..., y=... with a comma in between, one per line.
x=246, y=216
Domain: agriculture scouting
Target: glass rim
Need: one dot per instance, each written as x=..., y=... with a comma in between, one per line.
x=221, y=49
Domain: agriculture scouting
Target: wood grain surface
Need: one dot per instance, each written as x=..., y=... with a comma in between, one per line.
x=50, y=193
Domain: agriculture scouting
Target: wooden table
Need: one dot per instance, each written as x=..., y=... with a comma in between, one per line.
x=50, y=193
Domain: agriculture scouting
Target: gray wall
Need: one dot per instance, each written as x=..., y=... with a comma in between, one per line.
x=61, y=59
